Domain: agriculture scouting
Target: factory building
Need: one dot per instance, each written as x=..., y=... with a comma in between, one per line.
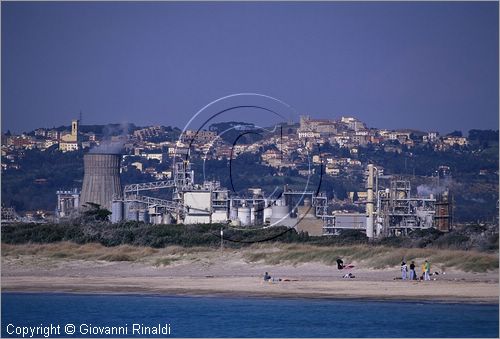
x=393, y=211
x=337, y=222
x=198, y=205
x=388, y=211
x=67, y=202
x=211, y=203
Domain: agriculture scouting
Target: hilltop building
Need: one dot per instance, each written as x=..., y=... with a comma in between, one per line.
x=70, y=141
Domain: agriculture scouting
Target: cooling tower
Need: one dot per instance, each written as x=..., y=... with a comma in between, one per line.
x=101, y=179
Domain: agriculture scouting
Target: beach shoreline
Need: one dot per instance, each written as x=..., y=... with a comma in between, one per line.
x=229, y=294
x=319, y=288
x=229, y=273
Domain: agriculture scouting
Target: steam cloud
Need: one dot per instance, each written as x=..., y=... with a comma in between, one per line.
x=426, y=190
x=107, y=146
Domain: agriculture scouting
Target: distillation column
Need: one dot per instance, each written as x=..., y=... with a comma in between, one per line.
x=369, y=203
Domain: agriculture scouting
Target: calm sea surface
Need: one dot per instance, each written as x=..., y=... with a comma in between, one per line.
x=240, y=317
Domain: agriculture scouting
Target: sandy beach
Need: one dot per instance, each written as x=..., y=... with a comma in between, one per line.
x=228, y=273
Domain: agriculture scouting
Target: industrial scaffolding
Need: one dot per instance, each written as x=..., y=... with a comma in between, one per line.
x=399, y=212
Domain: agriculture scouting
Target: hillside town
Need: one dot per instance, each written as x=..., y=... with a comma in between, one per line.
x=159, y=143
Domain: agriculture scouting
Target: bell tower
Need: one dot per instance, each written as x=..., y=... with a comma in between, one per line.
x=74, y=129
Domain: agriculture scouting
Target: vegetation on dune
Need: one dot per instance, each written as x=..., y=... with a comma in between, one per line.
x=95, y=251
x=470, y=248
x=377, y=257
x=467, y=237
x=158, y=236
x=369, y=256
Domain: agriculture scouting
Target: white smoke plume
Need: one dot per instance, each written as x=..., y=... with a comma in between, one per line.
x=426, y=190
x=109, y=147
x=112, y=145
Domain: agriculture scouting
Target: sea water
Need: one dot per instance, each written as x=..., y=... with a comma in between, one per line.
x=90, y=315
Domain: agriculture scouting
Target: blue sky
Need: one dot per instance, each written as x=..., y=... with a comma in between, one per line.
x=421, y=65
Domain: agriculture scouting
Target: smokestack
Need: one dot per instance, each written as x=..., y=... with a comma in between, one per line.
x=101, y=180
x=369, y=203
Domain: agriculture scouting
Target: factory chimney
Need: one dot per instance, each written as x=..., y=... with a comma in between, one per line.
x=101, y=180
x=369, y=203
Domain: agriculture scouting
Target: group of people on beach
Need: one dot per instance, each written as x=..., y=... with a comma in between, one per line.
x=406, y=273
x=426, y=269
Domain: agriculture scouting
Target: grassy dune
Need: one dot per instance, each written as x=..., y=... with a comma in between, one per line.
x=375, y=256
x=95, y=251
x=364, y=256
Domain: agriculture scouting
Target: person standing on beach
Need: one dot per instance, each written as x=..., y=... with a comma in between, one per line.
x=413, y=275
x=427, y=266
x=404, y=269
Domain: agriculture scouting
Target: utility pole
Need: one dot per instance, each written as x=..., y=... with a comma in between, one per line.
x=221, y=239
x=281, y=142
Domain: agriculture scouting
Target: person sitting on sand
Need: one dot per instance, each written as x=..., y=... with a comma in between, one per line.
x=340, y=264
x=267, y=277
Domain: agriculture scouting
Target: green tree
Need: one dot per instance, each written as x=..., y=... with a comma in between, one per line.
x=95, y=212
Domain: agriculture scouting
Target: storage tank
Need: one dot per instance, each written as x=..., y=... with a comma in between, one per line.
x=131, y=213
x=278, y=212
x=144, y=216
x=268, y=211
x=155, y=218
x=306, y=211
x=101, y=179
x=244, y=216
x=307, y=202
x=167, y=219
x=117, y=211
x=233, y=213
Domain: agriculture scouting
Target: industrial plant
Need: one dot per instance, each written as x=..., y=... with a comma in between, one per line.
x=389, y=211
